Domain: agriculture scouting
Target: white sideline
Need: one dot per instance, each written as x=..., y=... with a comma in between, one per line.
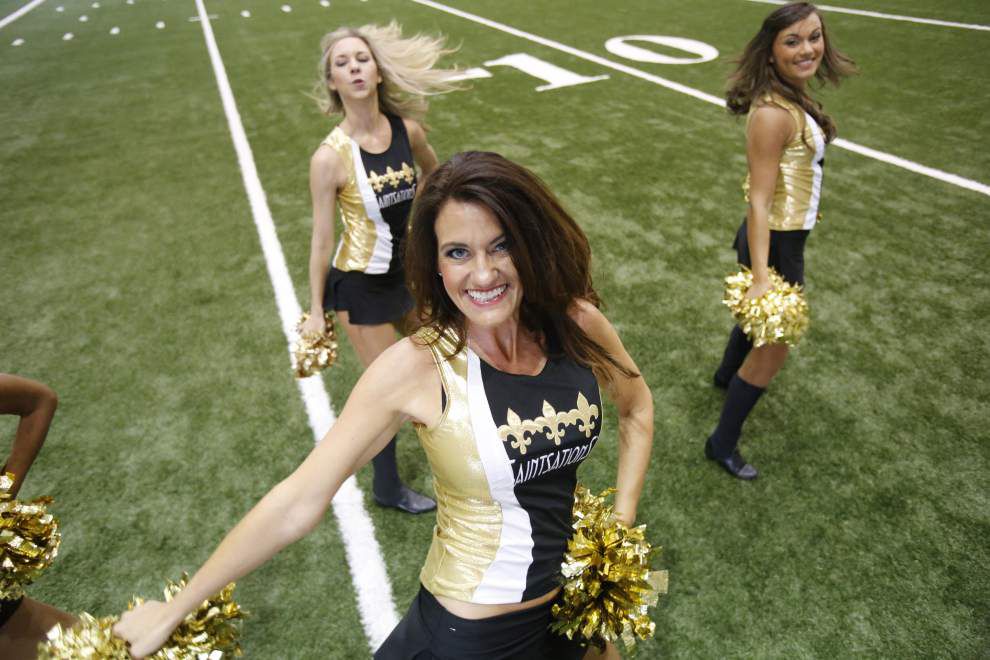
x=13, y=16
x=364, y=557
x=891, y=17
x=953, y=179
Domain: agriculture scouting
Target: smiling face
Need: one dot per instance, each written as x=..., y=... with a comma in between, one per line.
x=798, y=49
x=353, y=72
x=476, y=265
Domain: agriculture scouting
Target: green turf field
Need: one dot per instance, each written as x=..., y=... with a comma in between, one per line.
x=134, y=284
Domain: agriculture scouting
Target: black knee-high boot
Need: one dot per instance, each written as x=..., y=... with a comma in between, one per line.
x=736, y=350
x=388, y=488
x=721, y=445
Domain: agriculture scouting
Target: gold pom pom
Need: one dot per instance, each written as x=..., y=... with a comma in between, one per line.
x=208, y=633
x=780, y=316
x=29, y=539
x=608, y=582
x=312, y=353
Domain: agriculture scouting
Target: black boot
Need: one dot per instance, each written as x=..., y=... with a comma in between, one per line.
x=389, y=491
x=721, y=446
x=736, y=350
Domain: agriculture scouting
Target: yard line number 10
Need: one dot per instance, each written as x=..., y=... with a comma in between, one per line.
x=555, y=77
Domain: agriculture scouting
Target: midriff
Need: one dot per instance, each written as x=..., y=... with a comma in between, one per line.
x=485, y=611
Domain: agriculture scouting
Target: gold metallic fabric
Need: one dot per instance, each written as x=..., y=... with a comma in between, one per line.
x=798, y=189
x=469, y=522
x=211, y=632
x=609, y=584
x=357, y=244
x=779, y=316
x=29, y=539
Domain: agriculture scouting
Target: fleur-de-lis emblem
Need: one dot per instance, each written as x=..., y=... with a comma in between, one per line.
x=391, y=177
x=521, y=431
x=553, y=424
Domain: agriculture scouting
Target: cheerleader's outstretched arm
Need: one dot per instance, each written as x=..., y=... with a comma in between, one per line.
x=395, y=388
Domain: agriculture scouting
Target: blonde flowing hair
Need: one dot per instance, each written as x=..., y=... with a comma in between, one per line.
x=405, y=65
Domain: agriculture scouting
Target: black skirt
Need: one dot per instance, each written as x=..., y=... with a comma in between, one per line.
x=786, y=252
x=430, y=632
x=367, y=299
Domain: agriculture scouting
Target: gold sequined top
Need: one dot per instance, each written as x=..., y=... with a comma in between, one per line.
x=374, y=202
x=504, y=457
x=799, y=179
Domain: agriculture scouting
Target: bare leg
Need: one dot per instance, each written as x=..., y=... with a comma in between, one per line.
x=35, y=404
x=763, y=363
x=370, y=341
x=20, y=636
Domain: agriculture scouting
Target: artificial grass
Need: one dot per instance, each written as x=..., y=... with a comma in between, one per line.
x=135, y=286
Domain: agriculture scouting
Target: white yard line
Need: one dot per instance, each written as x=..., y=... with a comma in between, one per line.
x=364, y=557
x=890, y=17
x=897, y=161
x=10, y=18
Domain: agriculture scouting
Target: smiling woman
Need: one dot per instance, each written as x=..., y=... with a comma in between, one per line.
x=786, y=135
x=501, y=382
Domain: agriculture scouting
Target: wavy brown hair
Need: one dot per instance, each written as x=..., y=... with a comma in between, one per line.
x=406, y=65
x=756, y=76
x=548, y=248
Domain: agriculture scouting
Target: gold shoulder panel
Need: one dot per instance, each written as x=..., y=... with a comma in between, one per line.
x=469, y=521
x=797, y=188
x=358, y=240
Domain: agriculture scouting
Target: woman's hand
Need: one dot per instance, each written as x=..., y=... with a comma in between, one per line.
x=314, y=324
x=145, y=628
x=757, y=289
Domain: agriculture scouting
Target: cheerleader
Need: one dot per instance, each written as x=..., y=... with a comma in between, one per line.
x=501, y=382
x=786, y=134
x=366, y=167
x=24, y=621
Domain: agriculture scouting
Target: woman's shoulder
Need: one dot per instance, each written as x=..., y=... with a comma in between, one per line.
x=331, y=158
x=408, y=360
x=336, y=141
x=414, y=129
x=772, y=120
x=588, y=316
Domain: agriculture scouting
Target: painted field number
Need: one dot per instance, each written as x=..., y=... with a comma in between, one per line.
x=556, y=77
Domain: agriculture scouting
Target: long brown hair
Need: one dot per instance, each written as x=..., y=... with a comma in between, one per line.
x=756, y=76
x=549, y=250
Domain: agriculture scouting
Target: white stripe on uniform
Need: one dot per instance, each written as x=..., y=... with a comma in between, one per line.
x=505, y=579
x=381, y=257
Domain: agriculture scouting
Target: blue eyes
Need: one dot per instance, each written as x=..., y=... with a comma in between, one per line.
x=459, y=253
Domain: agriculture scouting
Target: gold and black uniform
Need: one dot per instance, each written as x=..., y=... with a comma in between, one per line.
x=504, y=457
x=366, y=277
x=799, y=179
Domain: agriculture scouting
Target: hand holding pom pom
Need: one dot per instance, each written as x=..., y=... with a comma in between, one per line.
x=313, y=352
x=29, y=540
x=608, y=582
x=209, y=632
x=778, y=316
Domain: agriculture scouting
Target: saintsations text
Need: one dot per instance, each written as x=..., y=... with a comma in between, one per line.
x=388, y=199
x=540, y=465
